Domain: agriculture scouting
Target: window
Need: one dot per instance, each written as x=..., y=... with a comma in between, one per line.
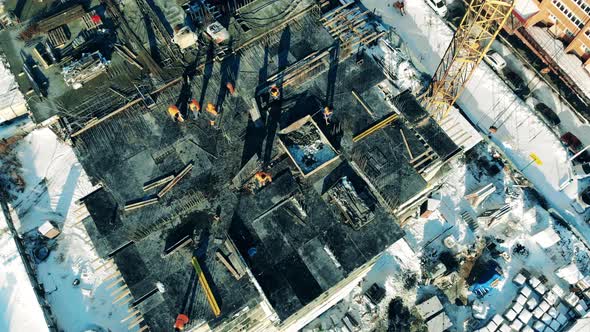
x=585, y=49
x=582, y=4
x=573, y=18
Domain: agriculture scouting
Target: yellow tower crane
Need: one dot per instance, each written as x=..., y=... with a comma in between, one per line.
x=481, y=24
x=478, y=29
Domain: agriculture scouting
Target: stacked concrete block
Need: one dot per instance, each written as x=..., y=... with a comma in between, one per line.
x=516, y=325
x=558, y=291
x=519, y=279
x=531, y=303
x=510, y=315
x=534, y=282
x=539, y=326
x=525, y=316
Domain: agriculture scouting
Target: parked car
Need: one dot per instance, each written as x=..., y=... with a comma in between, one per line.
x=581, y=170
x=495, y=60
x=516, y=83
x=439, y=6
x=574, y=145
x=572, y=142
x=582, y=202
x=547, y=114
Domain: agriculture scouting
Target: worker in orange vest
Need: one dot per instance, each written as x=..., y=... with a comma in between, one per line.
x=274, y=92
x=194, y=106
x=175, y=113
x=328, y=112
x=181, y=321
x=230, y=87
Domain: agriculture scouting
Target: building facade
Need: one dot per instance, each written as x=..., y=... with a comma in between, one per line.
x=568, y=20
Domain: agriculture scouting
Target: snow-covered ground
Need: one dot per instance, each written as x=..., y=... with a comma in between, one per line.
x=487, y=101
x=54, y=180
x=19, y=308
x=406, y=271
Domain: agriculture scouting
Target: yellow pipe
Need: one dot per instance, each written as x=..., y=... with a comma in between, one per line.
x=379, y=125
x=208, y=293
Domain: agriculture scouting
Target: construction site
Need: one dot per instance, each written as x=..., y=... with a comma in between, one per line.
x=251, y=160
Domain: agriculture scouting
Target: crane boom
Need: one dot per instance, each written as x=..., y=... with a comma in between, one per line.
x=481, y=24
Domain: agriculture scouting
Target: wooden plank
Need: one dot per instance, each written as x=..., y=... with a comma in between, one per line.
x=114, y=283
x=157, y=182
x=227, y=264
x=176, y=179
x=103, y=265
x=335, y=11
x=401, y=131
x=118, y=290
x=429, y=150
x=135, y=312
x=140, y=204
x=136, y=322
x=120, y=297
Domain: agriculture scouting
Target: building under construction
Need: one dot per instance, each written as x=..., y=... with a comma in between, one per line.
x=243, y=184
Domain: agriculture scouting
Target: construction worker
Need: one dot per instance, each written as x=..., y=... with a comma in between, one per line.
x=401, y=7
x=274, y=92
x=328, y=112
x=262, y=179
x=230, y=88
x=181, y=321
x=211, y=109
x=175, y=113
x=194, y=106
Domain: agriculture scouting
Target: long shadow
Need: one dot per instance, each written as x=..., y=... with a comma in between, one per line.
x=230, y=67
x=185, y=91
x=255, y=134
x=201, y=251
x=207, y=72
x=190, y=294
x=332, y=73
x=18, y=10
x=160, y=16
x=275, y=107
x=65, y=199
x=152, y=42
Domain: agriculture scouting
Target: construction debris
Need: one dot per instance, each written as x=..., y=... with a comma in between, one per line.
x=80, y=72
x=476, y=197
x=305, y=144
x=355, y=207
